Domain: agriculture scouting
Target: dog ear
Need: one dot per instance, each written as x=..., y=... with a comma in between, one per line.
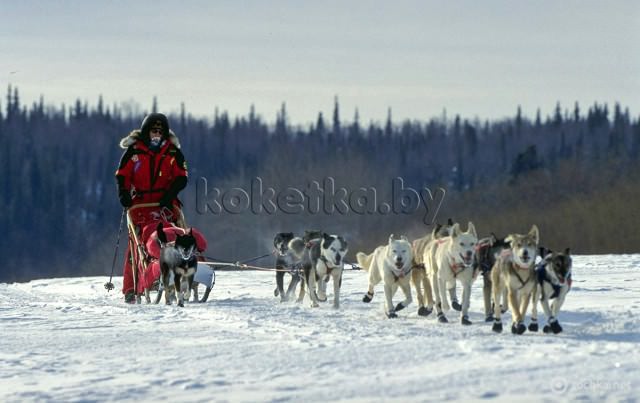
x=508, y=239
x=455, y=230
x=493, y=239
x=471, y=229
x=390, y=238
x=436, y=229
x=162, y=238
x=567, y=251
x=404, y=238
x=326, y=238
x=450, y=222
x=535, y=233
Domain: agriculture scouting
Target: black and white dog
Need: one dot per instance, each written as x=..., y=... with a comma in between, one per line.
x=289, y=251
x=553, y=275
x=178, y=264
x=326, y=261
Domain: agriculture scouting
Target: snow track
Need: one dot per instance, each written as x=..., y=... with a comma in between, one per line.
x=70, y=340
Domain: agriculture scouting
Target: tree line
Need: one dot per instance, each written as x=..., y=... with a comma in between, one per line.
x=60, y=212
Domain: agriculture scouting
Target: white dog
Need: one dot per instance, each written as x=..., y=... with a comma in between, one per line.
x=391, y=263
x=450, y=259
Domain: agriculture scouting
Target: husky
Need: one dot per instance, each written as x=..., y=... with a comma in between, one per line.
x=487, y=252
x=392, y=264
x=326, y=261
x=553, y=276
x=178, y=264
x=515, y=270
x=419, y=277
x=450, y=259
x=289, y=252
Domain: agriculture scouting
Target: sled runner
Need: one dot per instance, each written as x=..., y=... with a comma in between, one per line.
x=142, y=224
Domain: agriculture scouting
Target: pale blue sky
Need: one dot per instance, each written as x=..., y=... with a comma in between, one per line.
x=475, y=58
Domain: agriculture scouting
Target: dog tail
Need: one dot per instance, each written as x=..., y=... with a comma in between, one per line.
x=364, y=260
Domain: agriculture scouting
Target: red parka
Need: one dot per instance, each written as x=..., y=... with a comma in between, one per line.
x=149, y=175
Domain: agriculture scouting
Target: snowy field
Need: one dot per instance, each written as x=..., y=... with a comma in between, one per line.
x=69, y=340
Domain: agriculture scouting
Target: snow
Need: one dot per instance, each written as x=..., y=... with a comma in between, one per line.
x=67, y=339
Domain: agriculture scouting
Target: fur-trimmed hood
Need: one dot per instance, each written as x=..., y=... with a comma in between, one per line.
x=135, y=135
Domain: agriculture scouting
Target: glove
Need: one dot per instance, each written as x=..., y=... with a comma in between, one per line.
x=125, y=198
x=166, y=200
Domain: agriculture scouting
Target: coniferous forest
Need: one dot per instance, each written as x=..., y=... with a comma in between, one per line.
x=572, y=170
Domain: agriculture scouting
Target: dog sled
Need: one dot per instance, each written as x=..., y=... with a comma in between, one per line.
x=142, y=224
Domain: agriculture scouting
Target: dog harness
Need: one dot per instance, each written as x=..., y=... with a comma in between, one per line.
x=398, y=274
x=542, y=276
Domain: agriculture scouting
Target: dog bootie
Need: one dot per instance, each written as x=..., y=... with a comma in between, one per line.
x=497, y=327
x=465, y=320
x=555, y=327
x=533, y=326
x=399, y=307
x=456, y=305
x=424, y=311
x=130, y=297
x=442, y=318
x=518, y=328
x=367, y=297
x=489, y=318
x=392, y=315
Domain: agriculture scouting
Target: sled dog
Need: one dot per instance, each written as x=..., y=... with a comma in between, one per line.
x=553, y=276
x=178, y=264
x=326, y=261
x=392, y=264
x=515, y=270
x=419, y=277
x=289, y=251
x=450, y=259
x=487, y=252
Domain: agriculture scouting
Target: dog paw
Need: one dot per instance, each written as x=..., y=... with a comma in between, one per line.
x=276, y=292
x=367, y=297
x=489, y=318
x=456, y=306
x=399, y=307
x=424, y=311
x=533, y=326
x=555, y=327
x=518, y=328
x=497, y=327
x=322, y=297
x=181, y=304
x=546, y=329
x=391, y=315
x=442, y=318
x=503, y=309
x=465, y=320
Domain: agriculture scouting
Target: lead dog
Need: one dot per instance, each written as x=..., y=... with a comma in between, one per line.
x=450, y=259
x=288, y=249
x=553, y=276
x=515, y=271
x=326, y=261
x=392, y=264
x=178, y=264
x=419, y=278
